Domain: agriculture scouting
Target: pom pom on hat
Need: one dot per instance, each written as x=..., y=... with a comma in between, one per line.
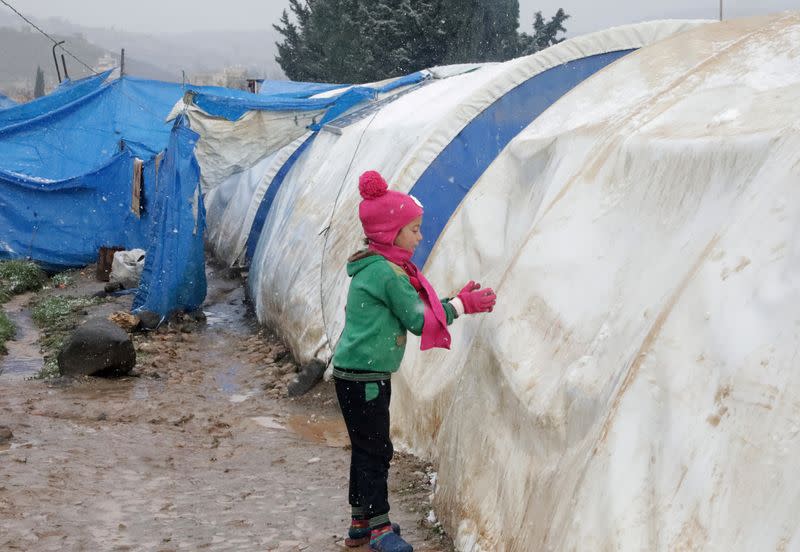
x=383, y=212
x=372, y=185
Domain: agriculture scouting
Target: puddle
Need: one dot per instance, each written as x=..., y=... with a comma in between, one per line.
x=236, y=399
x=226, y=381
x=23, y=359
x=331, y=433
x=225, y=307
x=268, y=422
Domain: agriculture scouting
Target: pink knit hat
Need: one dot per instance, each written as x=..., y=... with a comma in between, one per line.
x=383, y=212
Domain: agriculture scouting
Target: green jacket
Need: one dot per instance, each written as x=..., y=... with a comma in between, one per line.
x=381, y=306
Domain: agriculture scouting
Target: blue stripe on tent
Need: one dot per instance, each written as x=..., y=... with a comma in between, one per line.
x=269, y=197
x=447, y=180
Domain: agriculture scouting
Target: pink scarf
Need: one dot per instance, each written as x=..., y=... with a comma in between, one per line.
x=434, y=328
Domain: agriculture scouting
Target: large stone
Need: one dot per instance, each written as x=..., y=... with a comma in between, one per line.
x=307, y=378
x=149, y=320
x=97, y=348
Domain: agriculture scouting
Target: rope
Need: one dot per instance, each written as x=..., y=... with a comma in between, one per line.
x=326, y=231
x=32, y=24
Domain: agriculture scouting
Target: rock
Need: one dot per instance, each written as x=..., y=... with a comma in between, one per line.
x=5, y=434
x=149, y=320
x=97, y=348
x=307, y=378
x=112, y=287
x=124, y=320
x=197, y=316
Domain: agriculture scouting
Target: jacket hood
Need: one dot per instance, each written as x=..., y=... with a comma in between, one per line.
x=360, y=261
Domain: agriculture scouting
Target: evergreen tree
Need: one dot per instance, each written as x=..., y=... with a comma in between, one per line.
x=38, y=87
x=480, y=30
x=356, y=41
x=544, y=34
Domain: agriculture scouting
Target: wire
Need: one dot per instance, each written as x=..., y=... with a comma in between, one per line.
x=331, y=345
x=32, y=24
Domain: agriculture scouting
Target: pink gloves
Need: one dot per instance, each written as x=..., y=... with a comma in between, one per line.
x=476, y=299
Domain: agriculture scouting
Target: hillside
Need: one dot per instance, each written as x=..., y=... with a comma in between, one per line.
x=30, y=49
x=158, y=56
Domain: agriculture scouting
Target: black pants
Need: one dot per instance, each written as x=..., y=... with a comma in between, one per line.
x=368, y=426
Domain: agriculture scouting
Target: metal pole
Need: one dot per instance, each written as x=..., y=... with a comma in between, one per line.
x=720, y=10
x=64, y=64
x=122, y=63
x=55, y=59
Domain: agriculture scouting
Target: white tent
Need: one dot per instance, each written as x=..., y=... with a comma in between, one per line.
x=628, y=194
x=297, y=278
x=635, y=388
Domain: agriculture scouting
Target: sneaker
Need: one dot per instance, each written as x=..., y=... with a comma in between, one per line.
x=390, y=542
x=356, y=536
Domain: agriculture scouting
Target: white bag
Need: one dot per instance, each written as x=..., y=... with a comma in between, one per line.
x=126, y=268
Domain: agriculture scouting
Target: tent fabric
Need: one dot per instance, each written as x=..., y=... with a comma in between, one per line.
x=295, y=89
x=635, y=387
x=236, y=133
x=228, y=147
x=174, y=273
x=226, y=208
x=64, y=223
x=441, y=189
x=232, y=240
x=233, y=107
x=66, y=173
x=317, y=201
x=275, y=183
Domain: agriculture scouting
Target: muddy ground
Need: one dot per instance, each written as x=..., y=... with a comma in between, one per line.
x=200, y=449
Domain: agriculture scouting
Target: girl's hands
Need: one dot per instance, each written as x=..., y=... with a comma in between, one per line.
x=475, y=299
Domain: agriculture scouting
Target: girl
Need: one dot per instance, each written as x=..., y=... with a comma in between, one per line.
x=388, y=296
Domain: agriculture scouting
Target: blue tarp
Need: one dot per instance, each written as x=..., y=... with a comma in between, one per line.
x=66, y=175
x=64, y=223
x=296, y=89
x=233, y=107
x=67, y=92
x=174, y=273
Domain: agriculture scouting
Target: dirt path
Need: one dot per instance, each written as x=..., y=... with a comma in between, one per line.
x=199, y=452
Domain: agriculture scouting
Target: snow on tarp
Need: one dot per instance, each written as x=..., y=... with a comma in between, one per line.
x=299, y=284
x=636, y=387
x=174, y=274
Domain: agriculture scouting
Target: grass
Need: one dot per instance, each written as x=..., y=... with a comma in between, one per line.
x=18, y=277
x=63, y=279
x=56, y=316
x=7, y=331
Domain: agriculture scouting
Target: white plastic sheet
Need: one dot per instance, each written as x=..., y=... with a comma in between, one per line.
x=297, y=276
x=636, y=387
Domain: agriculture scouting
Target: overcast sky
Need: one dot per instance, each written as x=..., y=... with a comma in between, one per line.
x=191, y=15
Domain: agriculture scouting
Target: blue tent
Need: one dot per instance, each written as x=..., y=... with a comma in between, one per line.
x=79, y=169
x=174, y=274
x=295, y=89
x=67, y=92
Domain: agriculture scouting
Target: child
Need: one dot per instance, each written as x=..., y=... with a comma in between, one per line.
x=387, y=297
